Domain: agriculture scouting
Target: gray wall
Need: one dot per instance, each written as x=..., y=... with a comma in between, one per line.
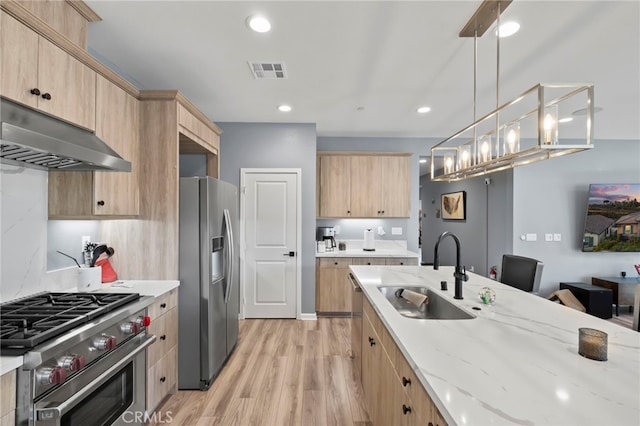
x=472, y=231
x=551, y=197
x=271, y=145
x=415, y=146
x=545, y=197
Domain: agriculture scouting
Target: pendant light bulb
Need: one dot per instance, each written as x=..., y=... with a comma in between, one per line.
x=548, y=122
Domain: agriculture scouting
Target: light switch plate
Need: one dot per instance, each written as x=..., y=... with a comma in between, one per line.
x=532, y=237
x=557, y=237
x=548, y=237
x=396, y=230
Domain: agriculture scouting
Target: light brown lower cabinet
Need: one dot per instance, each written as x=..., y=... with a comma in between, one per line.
x=162, y=356
x=8, y=400
x=333, y=289
x=392, y=392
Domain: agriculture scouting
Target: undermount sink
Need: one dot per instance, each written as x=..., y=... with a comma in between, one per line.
x=437, y=307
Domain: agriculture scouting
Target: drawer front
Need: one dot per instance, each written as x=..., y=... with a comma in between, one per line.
x=165, y=328
x=161, y=379
x=402, y=261
x=163, y=304
x=368, y=261
x=334, y=262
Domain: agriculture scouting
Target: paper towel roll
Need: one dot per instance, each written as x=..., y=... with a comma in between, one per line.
x=368, y=245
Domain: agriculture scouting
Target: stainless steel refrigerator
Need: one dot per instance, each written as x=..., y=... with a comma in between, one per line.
x=208, y=294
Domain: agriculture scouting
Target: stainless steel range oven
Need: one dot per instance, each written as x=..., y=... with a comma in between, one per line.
x=84, y=357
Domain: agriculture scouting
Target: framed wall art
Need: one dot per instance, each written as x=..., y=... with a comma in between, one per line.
x=453, y=205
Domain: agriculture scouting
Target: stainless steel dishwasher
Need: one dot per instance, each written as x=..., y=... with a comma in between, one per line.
x=356, y=326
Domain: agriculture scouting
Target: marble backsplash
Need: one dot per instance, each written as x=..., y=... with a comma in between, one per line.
x=23, y=243
x=23, y=222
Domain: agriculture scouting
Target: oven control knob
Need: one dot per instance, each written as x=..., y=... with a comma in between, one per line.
x=51, y=375
x=72, y=362
x=105, y=343
x=146, y=320
x=132, y=327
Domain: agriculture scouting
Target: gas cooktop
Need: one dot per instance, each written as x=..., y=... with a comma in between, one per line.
x=30, y=321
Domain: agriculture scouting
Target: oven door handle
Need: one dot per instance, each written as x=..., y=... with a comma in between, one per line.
x=53, y=412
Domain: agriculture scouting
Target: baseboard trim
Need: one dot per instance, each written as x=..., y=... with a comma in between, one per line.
x=308, y=317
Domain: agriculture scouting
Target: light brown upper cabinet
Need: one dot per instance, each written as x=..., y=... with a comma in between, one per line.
x=117, y=123
x=98, y=194
x=364, y=185
x=334, y=185
x=38, y=74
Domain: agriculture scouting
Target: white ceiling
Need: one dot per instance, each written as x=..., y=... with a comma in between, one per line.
x=387, y=57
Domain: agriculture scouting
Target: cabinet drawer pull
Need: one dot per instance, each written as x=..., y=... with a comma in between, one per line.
x=163, y=337
x=348, y=211
x=335, y=263
x=405, y=410
x=163, y=305
x=35, y=91
x=405, y=382
x=101, y=203
x=163, y=379
x=46, y=96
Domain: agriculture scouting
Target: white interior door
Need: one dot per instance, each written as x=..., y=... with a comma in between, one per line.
x=270, y=213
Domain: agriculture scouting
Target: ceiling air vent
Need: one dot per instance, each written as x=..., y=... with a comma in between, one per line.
x=268, y=70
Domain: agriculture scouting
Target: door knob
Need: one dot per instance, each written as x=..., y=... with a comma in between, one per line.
x=290, y=254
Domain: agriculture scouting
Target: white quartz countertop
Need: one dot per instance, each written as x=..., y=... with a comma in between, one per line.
x=153, y=288
x=8, y=363
x=383, y=248
x=517, y=362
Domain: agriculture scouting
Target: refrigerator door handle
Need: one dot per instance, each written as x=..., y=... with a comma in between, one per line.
x=227, y=220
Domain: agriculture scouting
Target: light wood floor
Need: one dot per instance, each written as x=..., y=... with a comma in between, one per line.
x=283, y=372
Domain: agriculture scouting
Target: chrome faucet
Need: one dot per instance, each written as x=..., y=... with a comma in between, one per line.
x=460, y=274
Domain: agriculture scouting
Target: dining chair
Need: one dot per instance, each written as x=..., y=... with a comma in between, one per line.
x=521, y=272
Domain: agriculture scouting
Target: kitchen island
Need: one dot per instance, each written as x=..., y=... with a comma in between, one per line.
x=517, y=362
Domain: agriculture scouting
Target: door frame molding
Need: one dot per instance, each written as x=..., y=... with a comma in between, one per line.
x=298, y=173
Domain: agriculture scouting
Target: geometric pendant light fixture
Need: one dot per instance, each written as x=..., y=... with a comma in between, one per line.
x=532, y=127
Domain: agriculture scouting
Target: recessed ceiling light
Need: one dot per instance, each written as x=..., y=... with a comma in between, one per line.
x=284, y=108
x=423, y=110
x=423, y=160
x=508, y=29
x=565, y=120
x=258, y=23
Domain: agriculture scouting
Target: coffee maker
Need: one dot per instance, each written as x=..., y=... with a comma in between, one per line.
x=326, y=234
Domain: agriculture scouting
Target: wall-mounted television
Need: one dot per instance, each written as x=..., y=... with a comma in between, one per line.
x=613, y=218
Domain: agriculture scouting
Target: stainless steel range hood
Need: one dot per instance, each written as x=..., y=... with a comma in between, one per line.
x=33, y=139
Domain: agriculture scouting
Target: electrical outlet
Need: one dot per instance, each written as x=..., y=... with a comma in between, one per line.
x=557, y=237
x=336, y=229
x=548, y=237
